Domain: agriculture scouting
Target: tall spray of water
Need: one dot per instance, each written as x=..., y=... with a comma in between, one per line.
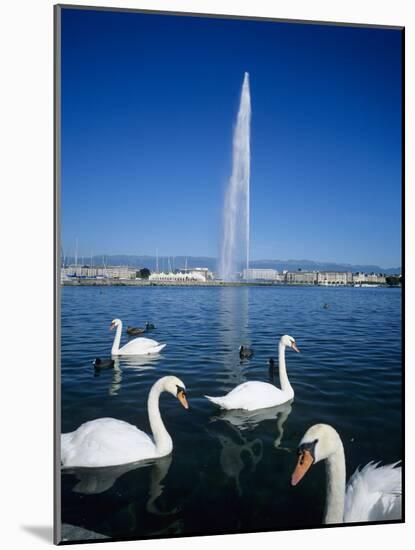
x=234, y=253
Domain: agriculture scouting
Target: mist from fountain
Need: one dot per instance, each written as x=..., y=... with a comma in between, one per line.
x=234, y=253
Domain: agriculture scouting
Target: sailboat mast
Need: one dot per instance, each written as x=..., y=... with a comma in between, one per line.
x=76, y=252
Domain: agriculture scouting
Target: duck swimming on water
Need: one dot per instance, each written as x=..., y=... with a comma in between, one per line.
x=103, y=363
x=245, y=352
x=135, y=330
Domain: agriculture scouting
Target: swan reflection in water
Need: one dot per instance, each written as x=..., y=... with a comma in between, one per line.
x=137, y=362
x=284, y=412
x=140, y=362
x=237, y=454
x=93, y=481
x=237, y=451
x=249, y=420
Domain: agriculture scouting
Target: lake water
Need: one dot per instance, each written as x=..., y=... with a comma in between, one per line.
x=228, y=472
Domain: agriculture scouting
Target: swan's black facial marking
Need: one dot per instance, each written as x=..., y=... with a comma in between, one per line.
x=310, y=447
x=180, y=390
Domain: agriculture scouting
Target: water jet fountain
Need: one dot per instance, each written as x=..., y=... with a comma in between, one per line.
x=234, y=254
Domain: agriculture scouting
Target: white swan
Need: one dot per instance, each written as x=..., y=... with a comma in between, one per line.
x=138, y=346
x=372, y=494
x=110, y=442
x=260, y=395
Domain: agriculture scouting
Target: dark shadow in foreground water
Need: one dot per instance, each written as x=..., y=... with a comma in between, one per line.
x=93, y=481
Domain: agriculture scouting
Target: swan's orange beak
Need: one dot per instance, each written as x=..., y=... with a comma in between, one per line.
x=112, y=326
x=305, y=460
x=181, y=396
x=294, y=346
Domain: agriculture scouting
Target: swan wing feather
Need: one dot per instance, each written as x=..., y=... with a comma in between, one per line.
x=251, y=396
x=105, y=442
x=374, y=493
x=141, y=346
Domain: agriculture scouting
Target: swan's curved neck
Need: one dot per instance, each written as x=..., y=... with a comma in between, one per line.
x=336, y=486
x=285, y=383
x=117, y=340
x=162, y=439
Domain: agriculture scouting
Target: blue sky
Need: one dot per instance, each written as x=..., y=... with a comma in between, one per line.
x=148, y=109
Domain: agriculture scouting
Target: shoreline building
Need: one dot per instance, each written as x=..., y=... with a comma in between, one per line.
x=204, y=271
x=99, y=272
x=254, y=274
x=194, y=275
x=326, y=278
x=301, y=277
x=203, y=274
x=369, y=278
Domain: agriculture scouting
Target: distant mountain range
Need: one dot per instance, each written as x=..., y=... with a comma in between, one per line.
x=176, y=262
